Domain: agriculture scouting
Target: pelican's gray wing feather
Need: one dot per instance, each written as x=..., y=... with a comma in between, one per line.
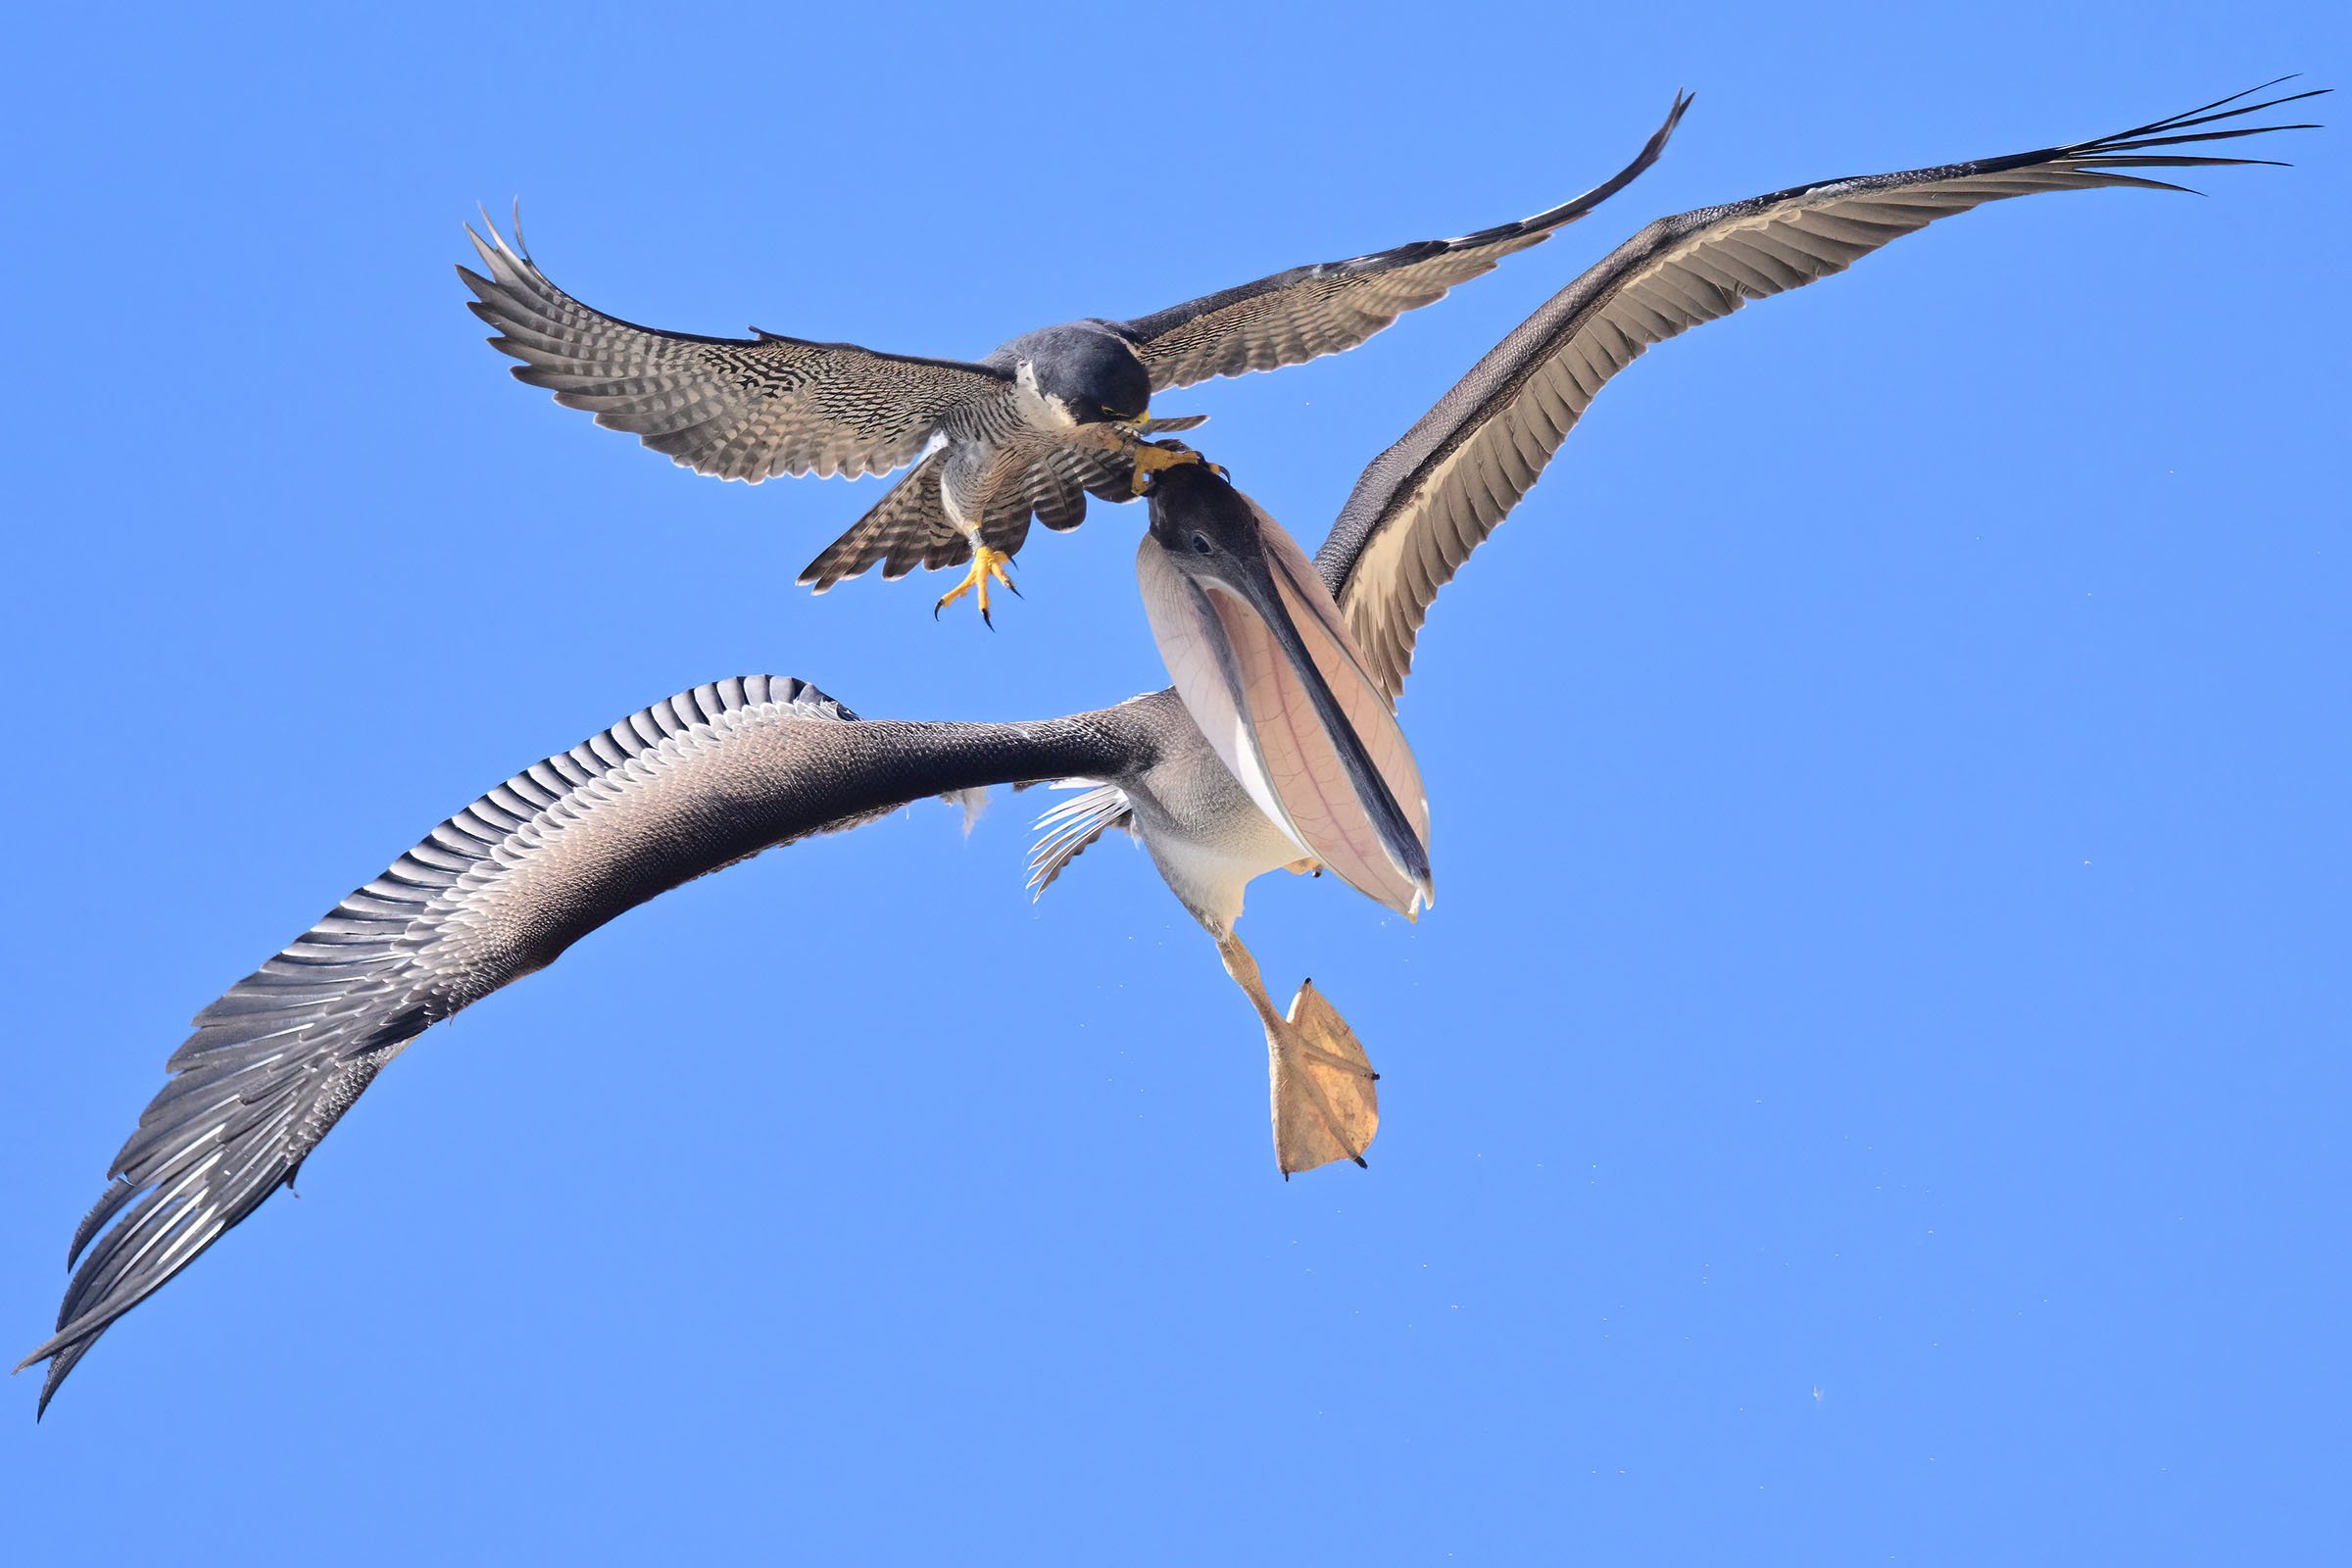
x=1065, y=830
x=738, y=408
x=1308, y=312
x=677, y=790
x=1423, y=506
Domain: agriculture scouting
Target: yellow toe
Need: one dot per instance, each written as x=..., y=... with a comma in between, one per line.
x=1150, y=456
x=987, y=566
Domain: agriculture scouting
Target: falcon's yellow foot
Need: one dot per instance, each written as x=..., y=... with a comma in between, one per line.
x=985, y=563
x=1153, y=455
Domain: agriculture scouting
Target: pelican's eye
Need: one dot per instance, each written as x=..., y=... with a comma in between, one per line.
x=1202, y=546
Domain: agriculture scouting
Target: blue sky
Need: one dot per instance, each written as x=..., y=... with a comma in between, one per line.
x=1872, y=1087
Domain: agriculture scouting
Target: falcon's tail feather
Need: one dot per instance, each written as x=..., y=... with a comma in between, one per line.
x=909, y=527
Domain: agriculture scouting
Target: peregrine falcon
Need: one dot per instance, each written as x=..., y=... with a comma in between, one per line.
x=1031, y=430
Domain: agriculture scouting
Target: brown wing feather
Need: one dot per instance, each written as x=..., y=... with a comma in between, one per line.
x=906, y=528
x=737, y=408
x=1293, y=317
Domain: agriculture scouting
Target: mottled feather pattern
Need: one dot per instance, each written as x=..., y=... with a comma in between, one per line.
x=905, y=529
x=1307, y=311
x=1328, y=309
x=909, y=527
x=737, y=408
x=1423, y=506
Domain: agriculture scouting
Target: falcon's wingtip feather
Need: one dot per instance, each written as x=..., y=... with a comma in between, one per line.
x=520, y=250
x=1652, y=150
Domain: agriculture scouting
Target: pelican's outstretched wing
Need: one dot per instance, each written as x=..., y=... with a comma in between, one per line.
x=1308, y=312
x=1427, y=501
x=738, y=408
x=691, y=784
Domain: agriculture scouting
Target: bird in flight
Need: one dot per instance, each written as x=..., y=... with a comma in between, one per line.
x=1276, y=748
x=1030, y=431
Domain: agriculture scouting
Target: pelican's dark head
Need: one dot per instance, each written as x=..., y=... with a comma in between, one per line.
x=1266, y=668
x=1212, y=528
x=1093, y=374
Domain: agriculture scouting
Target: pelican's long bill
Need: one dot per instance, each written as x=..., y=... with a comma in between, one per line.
x=1268, y=669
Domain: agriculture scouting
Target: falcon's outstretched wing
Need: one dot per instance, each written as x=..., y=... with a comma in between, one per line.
x=1308, y=312
x=738, y=408
x=1422, y=505
x=685, y=787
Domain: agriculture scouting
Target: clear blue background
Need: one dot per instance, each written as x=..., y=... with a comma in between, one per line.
x=1873, y=1086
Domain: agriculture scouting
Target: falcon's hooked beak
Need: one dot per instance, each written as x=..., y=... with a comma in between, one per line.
x=1268, y=669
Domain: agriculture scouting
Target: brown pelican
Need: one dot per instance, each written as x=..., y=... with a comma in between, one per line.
x=1032, y=429
x=1271, y=751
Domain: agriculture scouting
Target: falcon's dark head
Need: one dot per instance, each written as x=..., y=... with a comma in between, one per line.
x=1095, y=375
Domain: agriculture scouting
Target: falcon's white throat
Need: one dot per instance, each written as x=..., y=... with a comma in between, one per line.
x=1039, y=409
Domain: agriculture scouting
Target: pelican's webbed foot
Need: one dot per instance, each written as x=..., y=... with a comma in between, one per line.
x=987, y=564
x=1318, y=1078
x=1321, y=1084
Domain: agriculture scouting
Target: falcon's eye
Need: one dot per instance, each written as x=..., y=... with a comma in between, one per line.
x=1202, y=546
